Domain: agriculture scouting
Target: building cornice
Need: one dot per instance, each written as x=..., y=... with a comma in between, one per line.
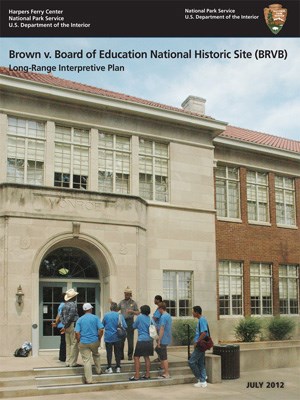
x=257, y=148
x=127, y=106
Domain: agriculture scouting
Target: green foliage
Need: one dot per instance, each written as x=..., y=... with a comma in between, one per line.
x=280, y=328
x=179, y=330
x=247, y=329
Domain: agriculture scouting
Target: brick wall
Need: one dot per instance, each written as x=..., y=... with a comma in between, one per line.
x=259, y=243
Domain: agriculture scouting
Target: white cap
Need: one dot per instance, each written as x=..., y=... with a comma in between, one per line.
x=87, y=306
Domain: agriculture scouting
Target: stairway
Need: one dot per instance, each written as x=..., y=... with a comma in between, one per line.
x=61, y=380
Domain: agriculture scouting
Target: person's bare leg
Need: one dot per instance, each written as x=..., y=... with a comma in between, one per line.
x=137, y=366
x=147, y=365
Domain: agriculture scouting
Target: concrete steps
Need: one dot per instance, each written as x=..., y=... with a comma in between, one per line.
x=62, y=380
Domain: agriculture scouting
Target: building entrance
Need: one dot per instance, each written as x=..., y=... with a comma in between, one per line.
x=60, y=270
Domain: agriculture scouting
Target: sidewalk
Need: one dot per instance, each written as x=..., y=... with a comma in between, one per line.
x=283, y=384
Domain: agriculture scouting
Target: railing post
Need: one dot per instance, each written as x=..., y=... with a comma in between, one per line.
x=188, y=335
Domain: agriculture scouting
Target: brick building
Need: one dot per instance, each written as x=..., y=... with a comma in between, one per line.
x=100, y=190
x=257, y=225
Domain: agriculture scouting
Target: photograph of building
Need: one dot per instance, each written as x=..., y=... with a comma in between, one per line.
x=100, y=190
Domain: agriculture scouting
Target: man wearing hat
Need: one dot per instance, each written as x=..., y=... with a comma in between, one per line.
x=69, y=316
x=129, y=309
x=89, y=331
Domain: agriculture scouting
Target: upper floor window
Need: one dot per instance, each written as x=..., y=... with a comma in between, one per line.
x=231, y=288
x=285, y=200
x=261, y=289
x=71, y=163
x=113, y=163
x=288, y=289
x=153, y=170
x=177, y=292
x=227, y=192
x=25, y=151
x=257, y=196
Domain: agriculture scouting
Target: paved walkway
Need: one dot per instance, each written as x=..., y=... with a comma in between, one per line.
x=275, y=384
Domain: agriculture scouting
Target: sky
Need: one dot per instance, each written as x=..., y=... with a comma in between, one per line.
x=257, y=94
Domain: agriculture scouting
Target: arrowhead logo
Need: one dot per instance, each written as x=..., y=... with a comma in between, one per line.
x=275, y=17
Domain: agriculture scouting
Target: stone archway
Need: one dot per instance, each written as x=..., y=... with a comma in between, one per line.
x=88, y=267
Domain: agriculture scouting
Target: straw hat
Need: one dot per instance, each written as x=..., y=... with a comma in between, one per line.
x=127, y=290
x=70, y=294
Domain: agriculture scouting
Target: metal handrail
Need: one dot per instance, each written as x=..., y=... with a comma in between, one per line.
x=189, y=344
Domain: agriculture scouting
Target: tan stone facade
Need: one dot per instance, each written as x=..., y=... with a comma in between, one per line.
x=130, y=240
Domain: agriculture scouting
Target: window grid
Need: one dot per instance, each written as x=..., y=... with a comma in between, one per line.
x=177, y=292
x=25, y=151
x=261, y=289
x=288, y=289
x=230, y=288
x=153, y=170
x=285, y=200
x=71, y=162
x=114, y=163
x=257, y=196
x=227, y=192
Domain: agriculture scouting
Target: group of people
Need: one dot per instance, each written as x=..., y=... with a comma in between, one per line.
x=84, y=335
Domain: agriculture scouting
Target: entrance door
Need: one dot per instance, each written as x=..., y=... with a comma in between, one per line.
x=51, y=297
x=62, y=269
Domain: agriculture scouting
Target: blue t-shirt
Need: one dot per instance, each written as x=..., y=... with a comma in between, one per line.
x=156, y=316
x=110, y=322
x=142, y=324
x=166, y=321
x=201, y=327
x=59, y=311
x=88, y=326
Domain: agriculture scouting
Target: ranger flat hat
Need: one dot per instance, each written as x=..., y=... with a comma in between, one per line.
x=127, y=290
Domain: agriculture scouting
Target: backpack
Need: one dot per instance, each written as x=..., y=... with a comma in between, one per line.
x=24, y=350
x=21, y=352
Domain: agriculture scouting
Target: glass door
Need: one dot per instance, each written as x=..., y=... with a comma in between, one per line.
x=88, y=293
x=50, y=299
x=51, y=295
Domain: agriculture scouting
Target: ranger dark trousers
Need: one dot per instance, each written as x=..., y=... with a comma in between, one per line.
x=130, y=335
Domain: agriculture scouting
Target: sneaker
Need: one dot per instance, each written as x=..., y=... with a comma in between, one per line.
x=200, y=384
x=118, y=370
x=108, y=371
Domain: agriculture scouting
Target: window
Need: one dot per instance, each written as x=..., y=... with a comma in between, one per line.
x=68, y=262
x=285, y=200
x=25, y=151
x=261, y=289
x=257, y=196
x=288, y=289
x=71, y=164
x=227, y=192
x=177, y=292
x=113, y=163
x=231, y=288
x=153, y=170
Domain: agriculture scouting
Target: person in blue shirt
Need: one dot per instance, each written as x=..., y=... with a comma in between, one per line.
x=197, y=359
x=157, y=315
x=144, y=345
x=89, y=331
x=59, y=325
x=164, y=338
x=111, y=339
